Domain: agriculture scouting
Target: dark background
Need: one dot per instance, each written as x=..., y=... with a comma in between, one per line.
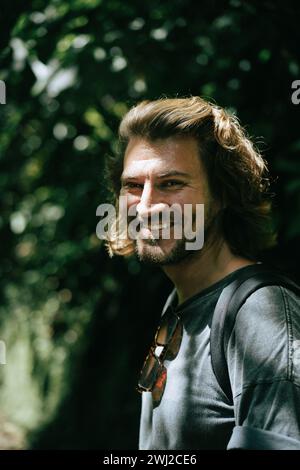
x=76, y=323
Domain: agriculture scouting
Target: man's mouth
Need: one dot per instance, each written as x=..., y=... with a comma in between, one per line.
x=158, y=227
x=155, y=232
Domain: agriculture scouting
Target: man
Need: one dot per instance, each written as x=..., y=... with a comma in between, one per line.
x=188, y=151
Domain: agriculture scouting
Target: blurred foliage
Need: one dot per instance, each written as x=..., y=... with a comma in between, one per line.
x=75, y=323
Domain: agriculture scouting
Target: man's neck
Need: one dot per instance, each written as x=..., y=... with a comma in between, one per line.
x=203, y=269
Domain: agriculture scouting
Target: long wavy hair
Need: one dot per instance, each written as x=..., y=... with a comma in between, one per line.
x=237, y=174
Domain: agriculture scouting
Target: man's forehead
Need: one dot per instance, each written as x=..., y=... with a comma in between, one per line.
x=152, y=167
x=162, y=156
x=146, y=165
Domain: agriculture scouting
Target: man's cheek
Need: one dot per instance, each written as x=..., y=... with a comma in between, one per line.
x=132, y=199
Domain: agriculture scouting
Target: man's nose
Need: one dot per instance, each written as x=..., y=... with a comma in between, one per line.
x=149, y=202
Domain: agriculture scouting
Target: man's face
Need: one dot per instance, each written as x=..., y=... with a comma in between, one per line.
x=156, y=175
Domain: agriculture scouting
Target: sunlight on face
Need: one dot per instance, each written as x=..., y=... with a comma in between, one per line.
x=155, y=176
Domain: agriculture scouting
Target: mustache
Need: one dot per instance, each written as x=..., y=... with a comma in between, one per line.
x=157, y=220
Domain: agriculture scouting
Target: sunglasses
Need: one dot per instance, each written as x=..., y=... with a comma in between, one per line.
x=165, y=346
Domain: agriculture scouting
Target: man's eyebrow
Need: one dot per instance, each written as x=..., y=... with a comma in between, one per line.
x=125, y=177
x=128, y=176
x=174, y=173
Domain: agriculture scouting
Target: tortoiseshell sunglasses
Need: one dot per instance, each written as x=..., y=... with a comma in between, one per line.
x=165, y=346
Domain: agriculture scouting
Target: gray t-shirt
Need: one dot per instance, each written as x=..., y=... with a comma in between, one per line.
x=263, y=358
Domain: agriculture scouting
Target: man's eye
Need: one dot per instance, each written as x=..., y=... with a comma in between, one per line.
x=172, y=183
x=133, y=186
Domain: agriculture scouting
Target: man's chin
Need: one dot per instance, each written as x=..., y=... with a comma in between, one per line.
x=161, y=252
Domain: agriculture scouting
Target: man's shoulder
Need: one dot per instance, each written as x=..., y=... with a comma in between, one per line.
x=269, y=310
x=275, y=302
x=265, y=336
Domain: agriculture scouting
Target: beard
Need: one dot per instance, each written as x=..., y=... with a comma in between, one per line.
x=149, y=251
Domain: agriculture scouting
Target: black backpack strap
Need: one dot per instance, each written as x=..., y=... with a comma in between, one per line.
x=230, y=301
